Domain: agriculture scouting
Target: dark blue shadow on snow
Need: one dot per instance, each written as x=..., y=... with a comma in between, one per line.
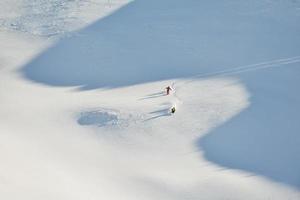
x=265, y=138
x=159, y=113
x=156, y=40
x=154, y=95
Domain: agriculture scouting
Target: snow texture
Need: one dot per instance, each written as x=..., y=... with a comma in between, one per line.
x=84, y=112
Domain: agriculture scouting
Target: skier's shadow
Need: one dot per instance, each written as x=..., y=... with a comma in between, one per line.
x=159, y=113
x=154, y=95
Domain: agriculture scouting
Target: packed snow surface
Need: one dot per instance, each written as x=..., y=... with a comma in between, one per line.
x=84, y=113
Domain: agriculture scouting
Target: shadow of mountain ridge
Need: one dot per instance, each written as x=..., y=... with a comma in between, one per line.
x=263, y=139
x=156, y=40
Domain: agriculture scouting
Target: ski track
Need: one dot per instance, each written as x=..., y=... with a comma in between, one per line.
x=233, y=71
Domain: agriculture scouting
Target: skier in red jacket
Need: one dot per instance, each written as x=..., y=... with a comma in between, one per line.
x=168, y=90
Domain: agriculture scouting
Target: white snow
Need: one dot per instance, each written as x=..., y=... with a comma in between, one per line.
x=84, y=114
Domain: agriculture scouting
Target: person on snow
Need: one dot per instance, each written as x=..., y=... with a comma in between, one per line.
x=173, y=109
x=168, y=90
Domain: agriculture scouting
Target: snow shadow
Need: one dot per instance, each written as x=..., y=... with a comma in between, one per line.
x=98, y=118
x=154, y=95
x=264, y=139
x=155, y=40
x=159, y=113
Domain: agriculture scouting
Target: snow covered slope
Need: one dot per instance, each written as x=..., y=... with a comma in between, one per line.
x=83, y=113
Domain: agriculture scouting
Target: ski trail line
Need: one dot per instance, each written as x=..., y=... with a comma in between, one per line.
x=236, y=70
